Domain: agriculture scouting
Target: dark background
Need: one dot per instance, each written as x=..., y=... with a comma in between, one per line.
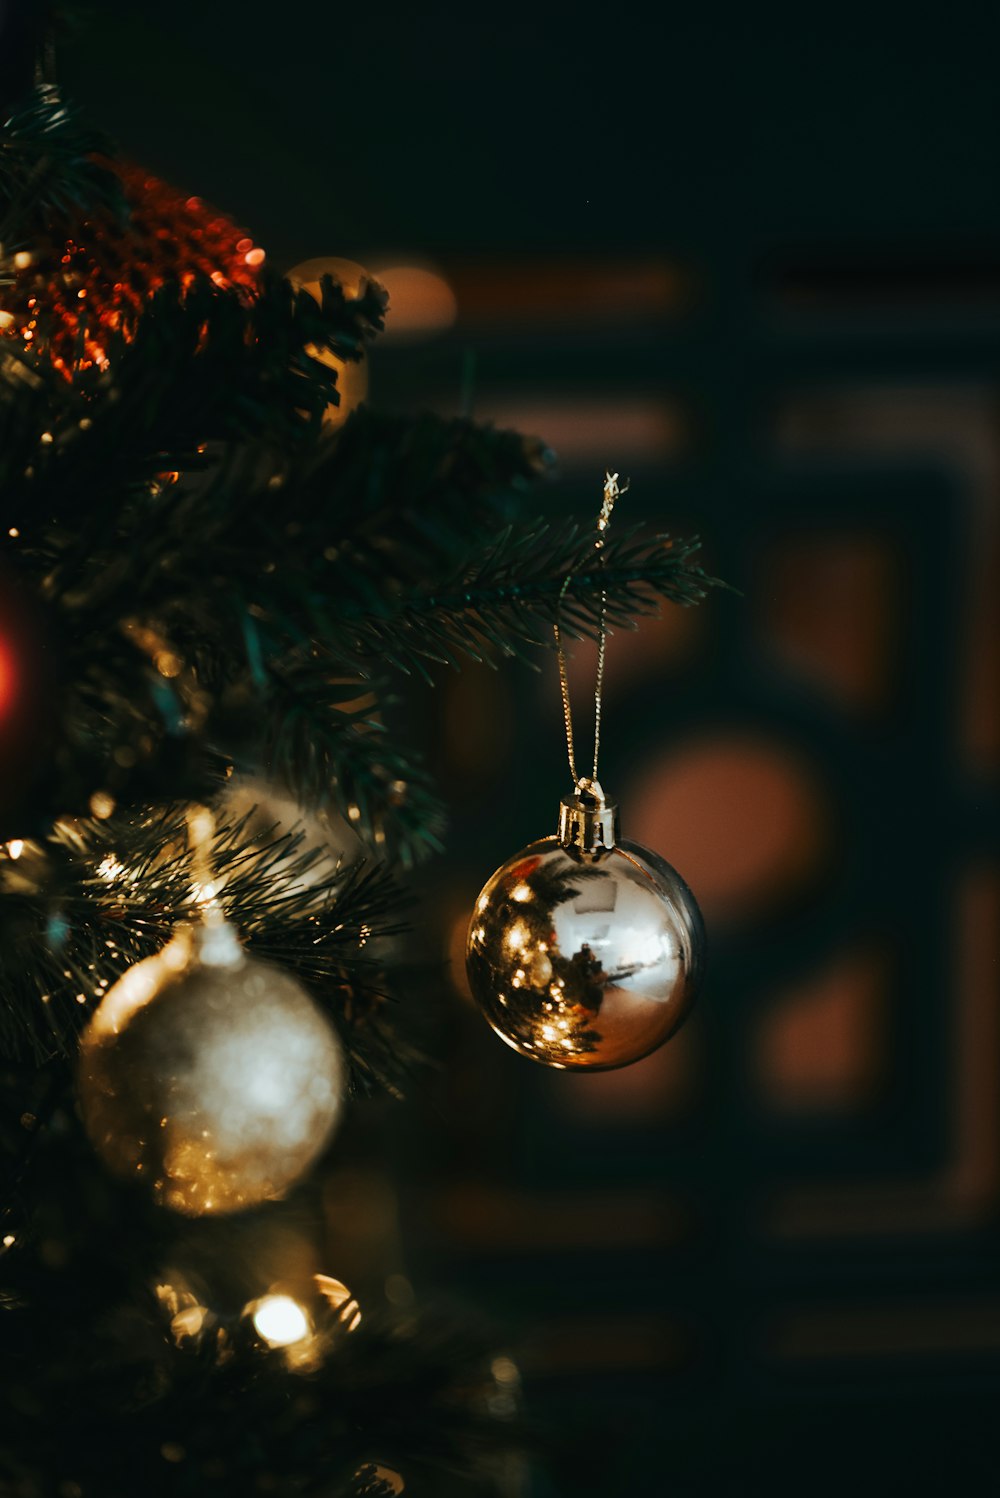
x=752, y=260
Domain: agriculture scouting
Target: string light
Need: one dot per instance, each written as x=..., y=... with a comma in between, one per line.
x=280, y=1321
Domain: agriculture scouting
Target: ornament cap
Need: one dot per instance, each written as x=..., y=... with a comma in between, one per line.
x=217, y=944
x=588, y=821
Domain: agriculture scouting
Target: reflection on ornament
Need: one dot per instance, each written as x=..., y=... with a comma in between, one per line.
x=352, y=374
x=280, y=1321
x=92, y=279
x=502, y=1399
x=337, y=1295
x=187, y=1323
x=210, y=1074
x=391, y=1480
x=585, y=958
x=188, y=1318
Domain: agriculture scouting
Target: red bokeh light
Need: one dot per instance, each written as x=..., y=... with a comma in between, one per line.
x=8, y=680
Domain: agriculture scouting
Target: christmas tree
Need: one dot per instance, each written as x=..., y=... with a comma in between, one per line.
x=211, y=590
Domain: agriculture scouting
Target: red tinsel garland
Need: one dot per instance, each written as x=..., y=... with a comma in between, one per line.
x=96, y=276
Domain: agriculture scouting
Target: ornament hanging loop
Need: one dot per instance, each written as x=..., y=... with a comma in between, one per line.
x=588, y=822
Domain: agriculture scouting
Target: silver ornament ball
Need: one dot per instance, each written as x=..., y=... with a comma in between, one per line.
x=210, y=1074
x=585, y=959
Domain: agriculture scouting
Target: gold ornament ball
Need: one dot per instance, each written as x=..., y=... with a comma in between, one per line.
x=585, y=962
x=210, y=1074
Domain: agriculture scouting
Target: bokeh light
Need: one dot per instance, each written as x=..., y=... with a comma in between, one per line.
x=421, y=302
x=280, y=1320
x=744, y=818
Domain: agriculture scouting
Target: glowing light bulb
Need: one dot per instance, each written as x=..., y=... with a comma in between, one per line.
x=280, y=1320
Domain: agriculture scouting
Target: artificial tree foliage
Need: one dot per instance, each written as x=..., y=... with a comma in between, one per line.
x=211, y=582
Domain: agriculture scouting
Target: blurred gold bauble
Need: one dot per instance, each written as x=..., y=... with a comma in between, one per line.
x=267, y=814
x=210, y=1074
x=352, y=374
x=581, y=961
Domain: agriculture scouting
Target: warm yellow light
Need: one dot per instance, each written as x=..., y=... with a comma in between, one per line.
x=309, y=273
x=280, y=1320
x=521, y=892
x=336, y=1293
x=505, y=1371
x=102, y=805
x=167, y=663
x=390, y=1479
x=188, y=1322
x=517, y=937
x=15, y=847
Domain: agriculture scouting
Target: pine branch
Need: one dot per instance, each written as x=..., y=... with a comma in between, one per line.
x=236, y=581
x=428, y=478
x=102, y=895
x=511, y=594
x=50, y=166
x=324, y=753
x=413, y=1392
x=93, y=1346
x=349, y=525
x=206, y=367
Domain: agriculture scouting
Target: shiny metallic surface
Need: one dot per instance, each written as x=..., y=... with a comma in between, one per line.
x=585, y=962
x=588, y=821
x=211, y=1075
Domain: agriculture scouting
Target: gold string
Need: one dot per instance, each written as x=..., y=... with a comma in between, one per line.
x=612, y=491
